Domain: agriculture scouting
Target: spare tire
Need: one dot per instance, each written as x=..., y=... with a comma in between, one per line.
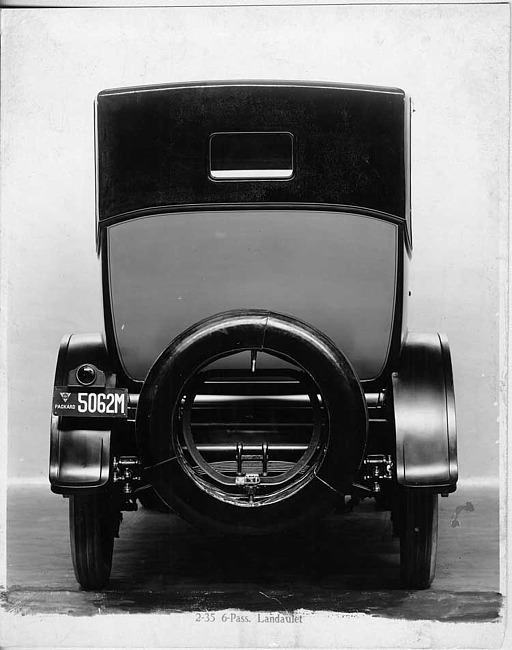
x=206, y=497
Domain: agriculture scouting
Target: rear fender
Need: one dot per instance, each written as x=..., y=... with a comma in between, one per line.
x=424, y=412
x=76, y=349
x=80, y=457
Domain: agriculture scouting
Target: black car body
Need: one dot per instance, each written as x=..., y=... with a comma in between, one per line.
x=256, y=368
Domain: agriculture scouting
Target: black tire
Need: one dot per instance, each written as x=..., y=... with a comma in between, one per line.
x=304, y=498
x=417, y=515
x=93, y=524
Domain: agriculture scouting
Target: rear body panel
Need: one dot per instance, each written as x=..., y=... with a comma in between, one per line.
x=334, y=270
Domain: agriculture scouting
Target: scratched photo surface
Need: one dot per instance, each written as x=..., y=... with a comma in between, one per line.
x=334, y=583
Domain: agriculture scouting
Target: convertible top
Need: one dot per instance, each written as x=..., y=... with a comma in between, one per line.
x=155, y=145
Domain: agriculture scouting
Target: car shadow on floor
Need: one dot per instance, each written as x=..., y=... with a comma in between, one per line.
x=347, y=562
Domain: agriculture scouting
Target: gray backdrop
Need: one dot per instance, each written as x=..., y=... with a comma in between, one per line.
x=453, y=60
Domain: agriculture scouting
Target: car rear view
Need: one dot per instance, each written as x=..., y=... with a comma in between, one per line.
x=256, y=370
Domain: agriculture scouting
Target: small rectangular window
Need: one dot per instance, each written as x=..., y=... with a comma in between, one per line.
x=247, y=156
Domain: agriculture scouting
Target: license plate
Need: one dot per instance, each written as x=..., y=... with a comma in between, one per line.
x=109, y=403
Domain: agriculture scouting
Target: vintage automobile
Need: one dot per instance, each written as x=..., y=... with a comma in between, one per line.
x=256, y=370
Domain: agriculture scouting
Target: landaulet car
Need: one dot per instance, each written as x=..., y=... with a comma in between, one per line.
x=256, y=370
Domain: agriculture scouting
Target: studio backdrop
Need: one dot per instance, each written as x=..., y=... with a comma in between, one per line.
x=451, y=59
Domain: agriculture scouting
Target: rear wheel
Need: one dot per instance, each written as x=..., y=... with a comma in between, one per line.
x=94, y=522
x=417, y=514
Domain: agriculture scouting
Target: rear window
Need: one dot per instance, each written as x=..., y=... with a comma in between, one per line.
x=248, y=156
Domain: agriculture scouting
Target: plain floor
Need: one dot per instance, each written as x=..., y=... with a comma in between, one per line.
x=344, y=563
